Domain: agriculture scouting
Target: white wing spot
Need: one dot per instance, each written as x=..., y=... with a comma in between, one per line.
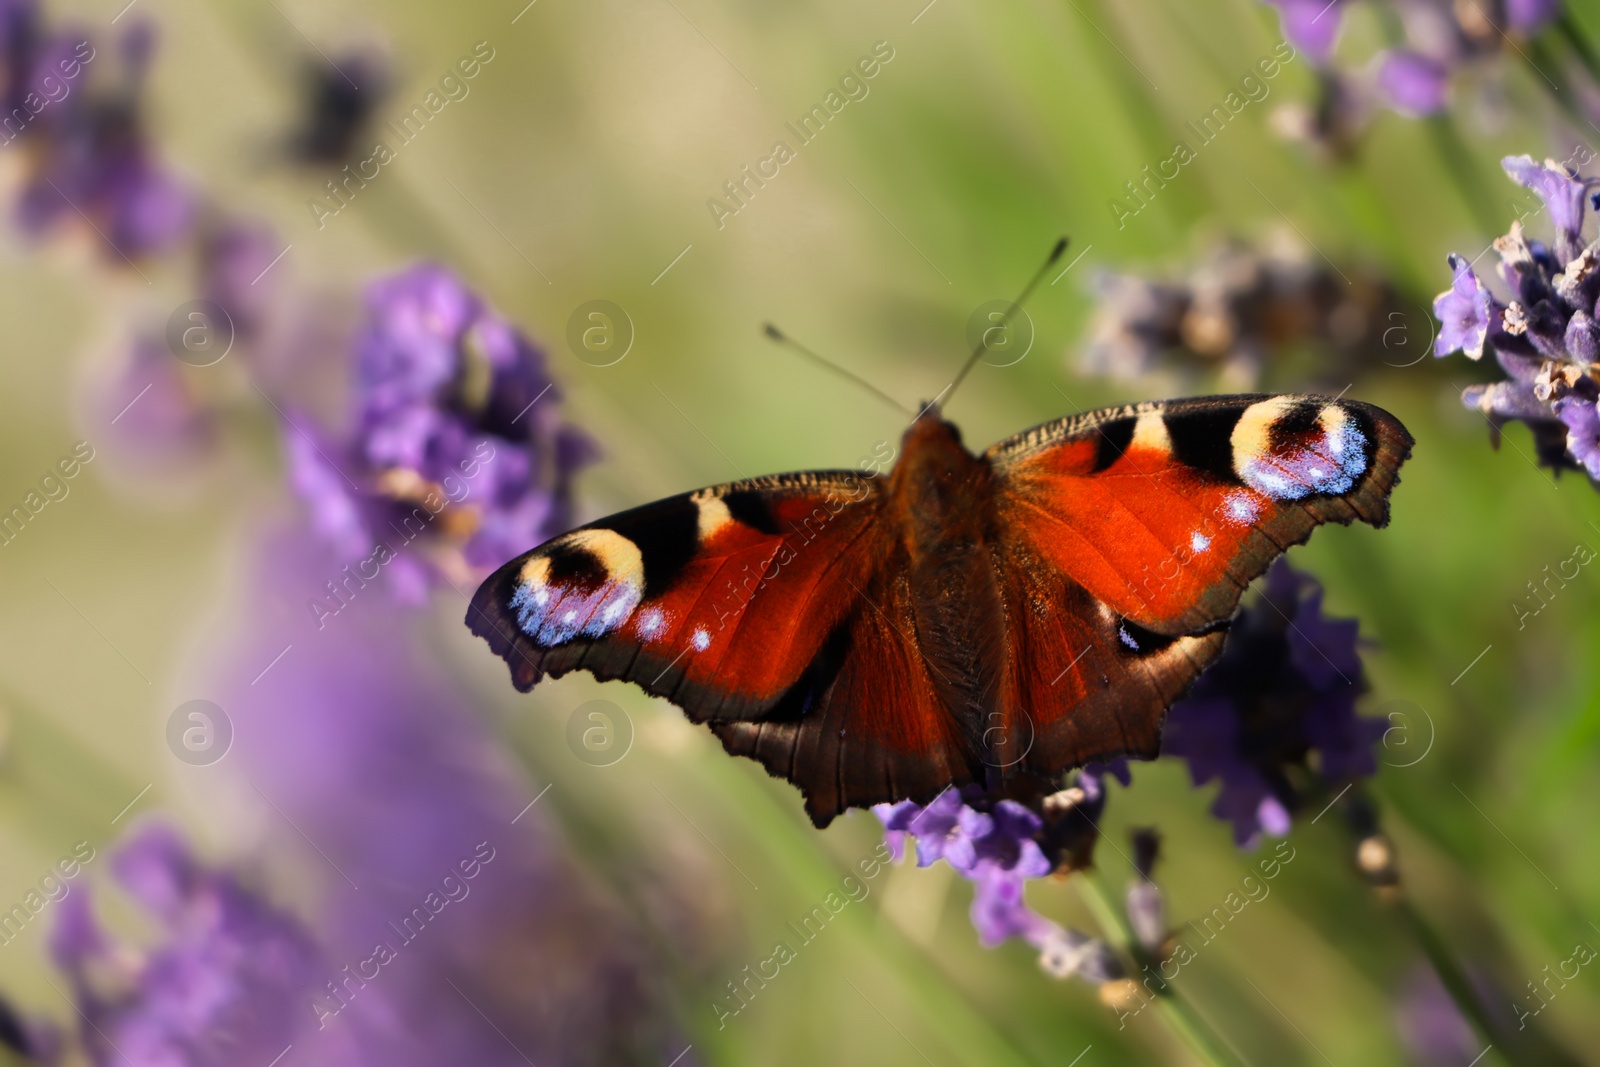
x=701, y=639
x=651, y=623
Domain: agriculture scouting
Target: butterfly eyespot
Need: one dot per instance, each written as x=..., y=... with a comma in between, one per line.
x=1287, y=449
x=584, y=583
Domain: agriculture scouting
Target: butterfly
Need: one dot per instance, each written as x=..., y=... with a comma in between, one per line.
x=991, y=618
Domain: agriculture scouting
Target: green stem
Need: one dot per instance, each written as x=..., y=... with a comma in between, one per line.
x=1547, y=69
x=1189, y=1025
x=1515, y=1047
x=1452, y=975
x=1579, y=43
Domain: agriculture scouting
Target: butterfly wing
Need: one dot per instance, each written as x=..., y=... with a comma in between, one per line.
x=1126, y=537
x=769, y=608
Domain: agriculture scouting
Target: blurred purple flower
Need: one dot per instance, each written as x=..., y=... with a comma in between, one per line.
x=227, y=981
x=340, y=96
x=154, y=419
x=361, y=742
x=1147, y=906
x=1312, y=26
x=1546, y=338
x=234, y=256
x=1286, y=686
x=92, y=157
x=1242, y=311
x=1431, y=1025
x=1414, y=84
x=1436, y=39
x=457, y=441
x=1528, y=17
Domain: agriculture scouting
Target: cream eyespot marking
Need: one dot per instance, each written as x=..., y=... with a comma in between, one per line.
x=607, y=584
x=1150, y=431
x=1199, y=542
x=714, y=515
x=701, y=639
x=1325, y=459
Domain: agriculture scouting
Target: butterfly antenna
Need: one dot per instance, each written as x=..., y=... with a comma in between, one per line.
x=784, y=339
x=1005, y=321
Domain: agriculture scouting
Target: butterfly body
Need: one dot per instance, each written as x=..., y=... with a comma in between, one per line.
x=994, y=617
x=939, y=498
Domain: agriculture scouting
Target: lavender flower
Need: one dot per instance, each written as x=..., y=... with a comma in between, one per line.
x=1436, y=39
x=1430, y=1023
x=1242, y=313
x=359, y=739
x=1414, y=84
x=340, y=97
x=1465, y=312
x=456, y=441
x=1000, y=845
x=91, y=155
x=1147, y=908
x=1285, y=687
x=1545, y=337
x=1312, y=26
x=154, y=415
x=234, y=255
x=226, y=982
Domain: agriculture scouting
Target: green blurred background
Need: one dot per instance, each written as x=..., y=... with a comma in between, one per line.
x=578, y=168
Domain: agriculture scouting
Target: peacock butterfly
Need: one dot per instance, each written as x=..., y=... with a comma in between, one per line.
x=995, y=618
